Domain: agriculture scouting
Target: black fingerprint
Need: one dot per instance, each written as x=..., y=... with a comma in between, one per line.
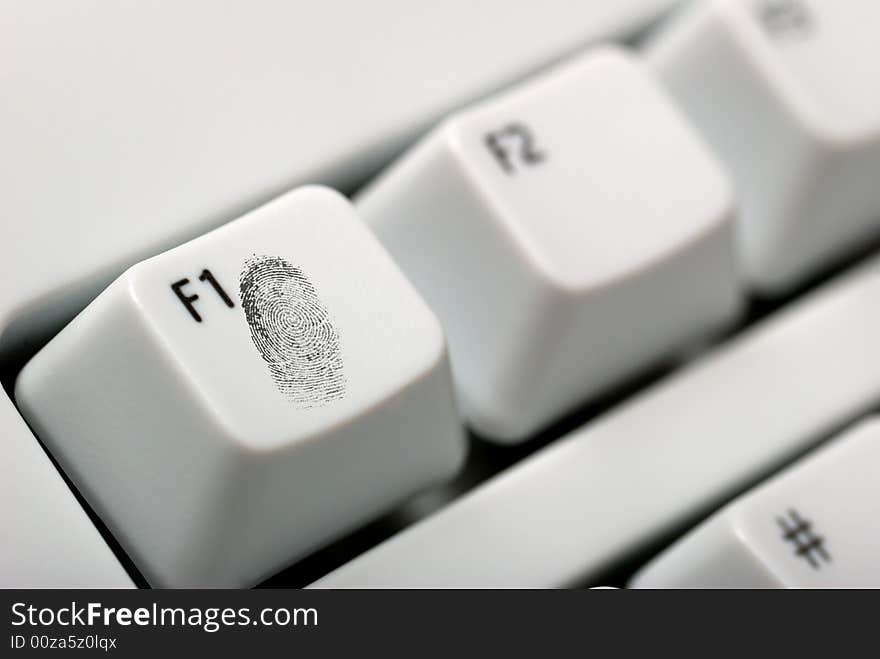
x=292, y=331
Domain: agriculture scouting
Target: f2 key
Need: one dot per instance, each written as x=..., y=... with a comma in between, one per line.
x=568, y=233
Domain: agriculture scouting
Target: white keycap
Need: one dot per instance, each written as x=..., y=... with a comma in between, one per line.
x=129, y=127
x=232, y=404
x=567, y=233
x=812, y=526
x=786, y=92
x=46, y=538
x=657, y=463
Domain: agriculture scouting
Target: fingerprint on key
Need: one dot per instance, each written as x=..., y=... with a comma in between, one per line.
x=293, y=331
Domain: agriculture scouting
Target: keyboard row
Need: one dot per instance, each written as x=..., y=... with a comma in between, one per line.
x=231, y=405
x=120, y=140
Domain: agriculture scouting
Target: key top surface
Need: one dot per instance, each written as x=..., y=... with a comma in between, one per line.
x=129, y=127
x=236, y=402
x=827, y=50
x=811, y=526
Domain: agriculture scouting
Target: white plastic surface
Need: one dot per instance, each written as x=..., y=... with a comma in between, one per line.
x=230, y=426
x=568, y=233
x=785, y=91
x=652, y=465
x=814, y=525
x=46, y=538
x=127, y=127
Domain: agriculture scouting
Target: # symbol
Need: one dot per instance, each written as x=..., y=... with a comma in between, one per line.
x=807, y=545
x=292, y=330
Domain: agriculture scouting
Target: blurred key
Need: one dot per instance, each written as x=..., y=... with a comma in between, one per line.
x=234, y=403
x=785, y=91
x=813, y=525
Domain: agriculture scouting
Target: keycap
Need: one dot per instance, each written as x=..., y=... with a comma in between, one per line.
x=568, y=233
x=122, y=138
x=782, y=90
x=232, y=404
x=648, y=469
x=811, y=526
x=46, y=538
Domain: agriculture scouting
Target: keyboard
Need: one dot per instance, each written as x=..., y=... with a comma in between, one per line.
x=450, y=295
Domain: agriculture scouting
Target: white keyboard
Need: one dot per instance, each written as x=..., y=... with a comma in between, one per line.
x=599, y=308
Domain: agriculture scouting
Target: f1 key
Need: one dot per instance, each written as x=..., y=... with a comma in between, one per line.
x=232, y=404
